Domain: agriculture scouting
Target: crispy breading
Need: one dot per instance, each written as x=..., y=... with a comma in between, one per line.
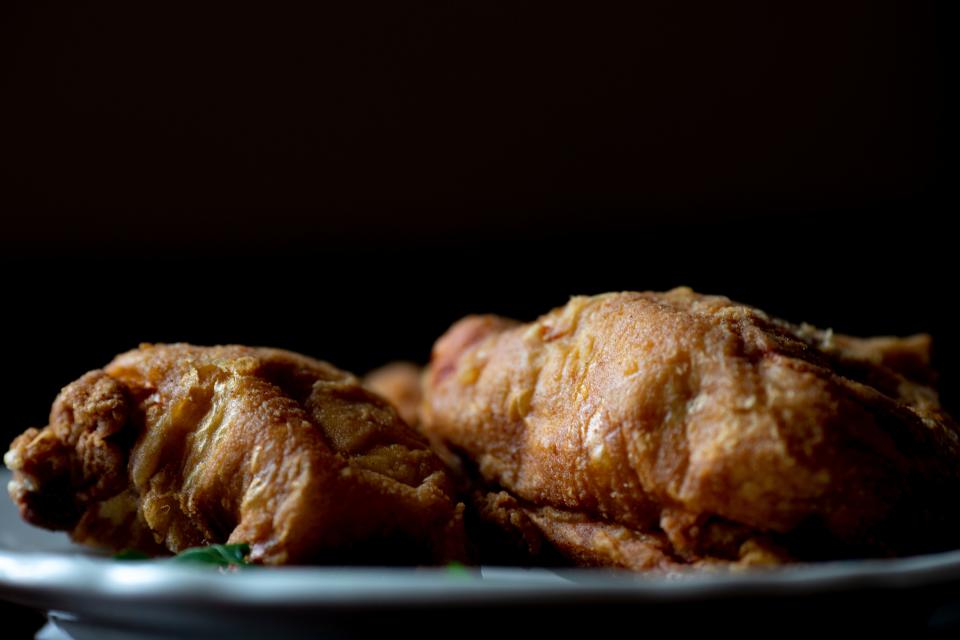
x=655, y=430
x=172, y=446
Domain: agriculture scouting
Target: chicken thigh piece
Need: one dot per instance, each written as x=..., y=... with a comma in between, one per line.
x=657, y=430
x=399, y=383
x=173, y=446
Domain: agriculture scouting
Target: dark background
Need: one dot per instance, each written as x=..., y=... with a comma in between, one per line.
x=347, y=179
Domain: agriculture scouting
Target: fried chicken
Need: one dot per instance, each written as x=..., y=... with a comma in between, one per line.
x=399, y=383
x=173, y=446
x=648, y=430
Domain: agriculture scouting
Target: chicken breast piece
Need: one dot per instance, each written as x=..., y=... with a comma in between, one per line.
x=173, y=446
x=649, y=430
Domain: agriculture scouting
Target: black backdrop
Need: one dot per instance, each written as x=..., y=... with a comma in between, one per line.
x=347, y=179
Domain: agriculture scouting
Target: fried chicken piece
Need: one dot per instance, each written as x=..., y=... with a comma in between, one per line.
x=399, y=383
x=648, y=430
x=173, y=446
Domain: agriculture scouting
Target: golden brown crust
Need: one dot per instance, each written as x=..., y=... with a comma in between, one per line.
x=233, y=444
x=641, y=417
x=76, y=461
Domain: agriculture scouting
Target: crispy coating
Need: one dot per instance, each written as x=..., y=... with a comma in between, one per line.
x=648, y=430
x=173, y=446
x=399, y=383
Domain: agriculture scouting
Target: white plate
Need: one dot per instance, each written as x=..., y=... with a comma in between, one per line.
x=94, y=596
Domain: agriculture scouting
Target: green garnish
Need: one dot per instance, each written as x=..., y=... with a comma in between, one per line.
x=220, y=554
x=223, y=555
x=457, y=569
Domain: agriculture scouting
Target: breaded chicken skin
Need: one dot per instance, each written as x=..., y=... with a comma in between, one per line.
x=173, y=446
x=648, y=430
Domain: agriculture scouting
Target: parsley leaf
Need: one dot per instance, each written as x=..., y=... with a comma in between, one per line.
x=223, y=555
